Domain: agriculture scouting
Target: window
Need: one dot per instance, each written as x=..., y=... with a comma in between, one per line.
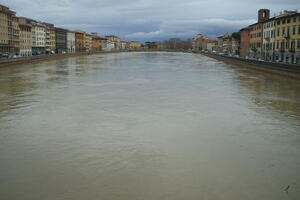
x=282, y=44
x=283, y=30
x=293, y=44
x=258, y=45
x=298, y=43
x=288, y=21
x=294, y=30
x=278, y=31
x=294, y=19
x=283, y=21
x=287, y=44
x=288, y=30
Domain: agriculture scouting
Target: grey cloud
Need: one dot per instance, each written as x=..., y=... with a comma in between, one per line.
x=149, y=19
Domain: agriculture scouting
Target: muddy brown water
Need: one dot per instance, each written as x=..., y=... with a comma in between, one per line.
x=145, y=126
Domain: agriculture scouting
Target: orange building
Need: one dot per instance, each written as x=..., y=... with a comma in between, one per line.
x=255, y=47
x=245, y=42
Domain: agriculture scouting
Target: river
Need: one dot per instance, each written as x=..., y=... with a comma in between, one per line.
x=147, y=126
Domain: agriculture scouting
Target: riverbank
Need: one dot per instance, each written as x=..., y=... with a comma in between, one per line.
x=290, y=70
x=42, y=58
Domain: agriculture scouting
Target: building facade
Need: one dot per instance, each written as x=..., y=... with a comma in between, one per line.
x=287, y=47
x=115, y=40
x=15, y=42
x=212, y=45
x=88, y=39
x=198, y=43
x=255, y=47
x=50, y=38
x=134, y=45
x=6, y=30
x=79, y=40
x=25, y=40
x=61, y=40
x=245, y=42
x=38, y=37
x=268, y=41
x=71, y=41
x=96, y=43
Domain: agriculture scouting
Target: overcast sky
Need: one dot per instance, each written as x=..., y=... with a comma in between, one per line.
x=149, y=20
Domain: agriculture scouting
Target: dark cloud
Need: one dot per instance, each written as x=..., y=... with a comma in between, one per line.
x=149, y=19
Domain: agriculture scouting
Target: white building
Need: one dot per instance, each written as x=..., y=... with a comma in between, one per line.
x=109, y=46
x=38, y=37
x=268, y=46
x=123, y=45
x=71, y=41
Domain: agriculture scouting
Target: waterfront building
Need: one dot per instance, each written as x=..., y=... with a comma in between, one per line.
x=211, y=45
x=88, y=42
x=71, y=41
x=106, y=45
x=15, y=42
x=256, y=34
x=25, y=39
x=230, y=43
x=255, y=47
x=287, y=47
x=245, y=42
x=198, y=43
x=220, y=43
x=61, y=40
x=50, y=38
x=123, y=45
x=134, y=45
x=268, y=41
x=115, y=40
x=96, y=43
x=226, y=43
x=79, y=34
x=6, y=30
x=38, y=37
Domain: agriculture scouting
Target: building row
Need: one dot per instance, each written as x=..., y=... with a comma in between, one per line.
x=23, y=36
x=275, y=39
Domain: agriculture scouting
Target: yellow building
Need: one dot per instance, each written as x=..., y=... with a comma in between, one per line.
x=80, y=46
x=287, y=45
x=15, y=41
x=5, y=29
x=25, y=39
x=88, y=41
x=134, y=45
x=50, y=38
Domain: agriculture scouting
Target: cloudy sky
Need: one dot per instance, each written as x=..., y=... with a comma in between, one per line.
x=149, y=20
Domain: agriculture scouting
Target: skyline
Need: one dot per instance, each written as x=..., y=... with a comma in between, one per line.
x=148, y=20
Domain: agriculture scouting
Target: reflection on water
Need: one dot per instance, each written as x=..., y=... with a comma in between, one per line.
x=147, y=126
x=272, y=91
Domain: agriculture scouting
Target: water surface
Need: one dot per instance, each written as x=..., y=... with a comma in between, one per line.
x=145, y=126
